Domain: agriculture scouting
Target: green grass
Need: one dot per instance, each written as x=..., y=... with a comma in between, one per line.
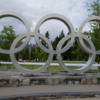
x=3, y=66
x=49, y=69
x=93, y=71
x=33, y=67
x=76, y=62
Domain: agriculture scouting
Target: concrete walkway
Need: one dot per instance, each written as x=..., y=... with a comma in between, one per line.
x=8, y=91
x=5, y=91
x=81, y=99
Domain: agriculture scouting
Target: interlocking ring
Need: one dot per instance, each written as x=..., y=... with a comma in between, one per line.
x=46, y=18
x=23, y=20
x=12, y=49
x=71, y=38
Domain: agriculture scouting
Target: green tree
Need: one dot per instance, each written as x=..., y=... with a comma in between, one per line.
x=61, y=35
x=43, y=54
x=39, y=54
x=7, y=36
x=47, y=35
x=56, y=41
x=94, y=7
x=36, y=53
x=93, y=34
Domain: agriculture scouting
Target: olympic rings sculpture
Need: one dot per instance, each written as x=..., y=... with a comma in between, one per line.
x=71, y=38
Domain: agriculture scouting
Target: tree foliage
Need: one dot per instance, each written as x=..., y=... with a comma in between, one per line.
x=95, y=26
x=7, y=36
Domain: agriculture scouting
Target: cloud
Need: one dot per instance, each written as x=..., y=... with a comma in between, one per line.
x=34, y=10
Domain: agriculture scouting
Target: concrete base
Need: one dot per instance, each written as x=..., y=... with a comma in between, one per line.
x=51, y=79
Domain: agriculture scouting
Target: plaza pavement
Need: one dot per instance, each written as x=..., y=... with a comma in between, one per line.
x=7, y=91
x=4, y=91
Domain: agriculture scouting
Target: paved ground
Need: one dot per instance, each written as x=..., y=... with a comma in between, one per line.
x=81, y=99
x=4, y=91
x=9, y=72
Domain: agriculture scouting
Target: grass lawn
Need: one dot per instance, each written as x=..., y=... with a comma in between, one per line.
x=49, y=69
x=33, y=67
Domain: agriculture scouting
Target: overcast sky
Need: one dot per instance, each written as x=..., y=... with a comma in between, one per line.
x=34, y=10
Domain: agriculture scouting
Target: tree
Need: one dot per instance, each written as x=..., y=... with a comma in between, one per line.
x=7, y=36
x=95, y=26
x=47, y=35
x=94, y=7
x=56, y=41
x=39, y=54
x=43, y=54
x=93, y=34
x=61, y=35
